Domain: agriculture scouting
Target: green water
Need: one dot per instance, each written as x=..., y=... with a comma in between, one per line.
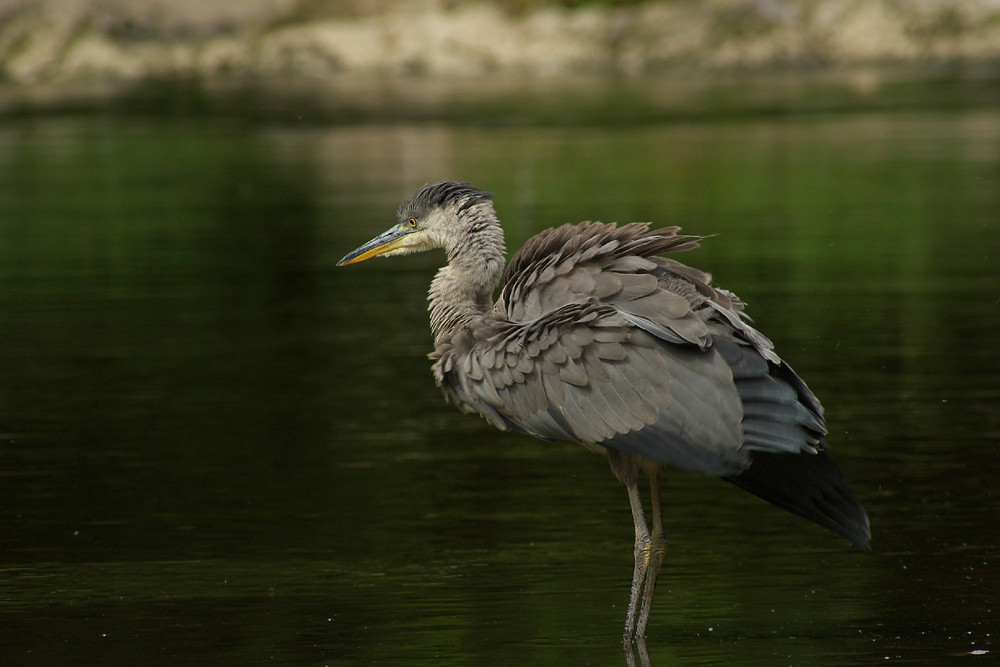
x=219, y=448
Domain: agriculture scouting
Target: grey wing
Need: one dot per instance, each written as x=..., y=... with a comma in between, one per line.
x=764, y=404
x=611, y=345
x=586, y=374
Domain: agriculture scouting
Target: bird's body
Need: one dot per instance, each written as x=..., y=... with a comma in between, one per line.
x=598, y=339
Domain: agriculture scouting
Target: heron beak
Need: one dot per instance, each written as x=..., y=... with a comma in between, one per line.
x=387, y=241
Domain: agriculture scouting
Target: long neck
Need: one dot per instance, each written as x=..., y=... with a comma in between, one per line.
x=462, y=290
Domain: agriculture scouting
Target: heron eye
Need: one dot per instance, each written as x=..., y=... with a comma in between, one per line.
x=413, y=222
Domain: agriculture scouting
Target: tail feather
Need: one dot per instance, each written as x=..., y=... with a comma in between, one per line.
x=810, y=485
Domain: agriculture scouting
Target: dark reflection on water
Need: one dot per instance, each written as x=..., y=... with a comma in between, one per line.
x=219, y=448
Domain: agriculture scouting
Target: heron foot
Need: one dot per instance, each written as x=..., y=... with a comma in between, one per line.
x=640, y=649
x=657, y=551
x=649, y=554
x=643, y=549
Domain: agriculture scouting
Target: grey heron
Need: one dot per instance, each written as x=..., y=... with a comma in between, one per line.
x=600, y=339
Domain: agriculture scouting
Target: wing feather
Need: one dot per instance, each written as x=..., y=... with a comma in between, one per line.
x=597, y=338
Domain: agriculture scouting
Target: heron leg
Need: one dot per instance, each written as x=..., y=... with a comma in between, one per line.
x=626, y=469
x=657, y=550
x=640, y=572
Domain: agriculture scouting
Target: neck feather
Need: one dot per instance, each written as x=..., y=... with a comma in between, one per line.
x=462, y=291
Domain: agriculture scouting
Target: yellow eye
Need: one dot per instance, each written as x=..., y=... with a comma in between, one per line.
x=413, y=222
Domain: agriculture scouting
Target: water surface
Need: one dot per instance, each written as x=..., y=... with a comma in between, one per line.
x=219, y=448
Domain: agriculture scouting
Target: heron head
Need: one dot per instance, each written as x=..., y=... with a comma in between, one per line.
x=432, y=218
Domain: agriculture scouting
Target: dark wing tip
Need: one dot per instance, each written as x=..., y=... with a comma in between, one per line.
x=811, y=486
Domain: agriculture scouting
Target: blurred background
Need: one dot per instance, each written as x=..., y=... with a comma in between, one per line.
x=218, y=448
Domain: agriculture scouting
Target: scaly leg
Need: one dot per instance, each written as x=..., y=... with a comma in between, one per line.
x=657, y=550
x=626, y=469
x=640, y=573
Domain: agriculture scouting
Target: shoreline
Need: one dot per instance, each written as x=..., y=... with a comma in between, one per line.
x=63, y=40
x=57, y=49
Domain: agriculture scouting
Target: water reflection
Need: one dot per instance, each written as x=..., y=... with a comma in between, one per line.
x=217, y=445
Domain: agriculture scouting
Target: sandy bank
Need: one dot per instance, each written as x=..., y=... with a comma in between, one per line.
x=54, y=41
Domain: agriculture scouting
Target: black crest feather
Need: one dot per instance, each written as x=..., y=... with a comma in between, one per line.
x=441, y=194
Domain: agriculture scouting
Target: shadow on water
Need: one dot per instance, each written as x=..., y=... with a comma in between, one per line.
x=219, y=448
